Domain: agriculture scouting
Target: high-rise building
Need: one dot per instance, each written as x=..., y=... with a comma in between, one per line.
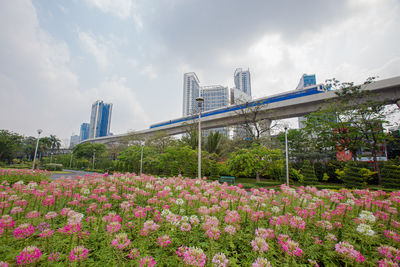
x=191, y=91
x=305, y=80
x=73, y=141
x=100, y=119
x=84, y=132
x=242, y=81
x=215, y=96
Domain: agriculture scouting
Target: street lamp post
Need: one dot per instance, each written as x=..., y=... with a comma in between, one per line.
x=70, y=161
x=37, y=145
x=200, y=101
x=141, y=160
x=287, y=158
x=94, y=156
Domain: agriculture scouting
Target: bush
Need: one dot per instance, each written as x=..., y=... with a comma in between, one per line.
x=390, y=175
x=308, y=173
x=54, y=167
x=352, y=175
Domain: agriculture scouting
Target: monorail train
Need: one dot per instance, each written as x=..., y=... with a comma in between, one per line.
x=311, y=90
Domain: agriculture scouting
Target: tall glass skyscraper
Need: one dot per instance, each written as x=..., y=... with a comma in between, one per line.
x=242, y=81
x=215, y=96
x=191, y=91
x=100, y=119
x=84, y=133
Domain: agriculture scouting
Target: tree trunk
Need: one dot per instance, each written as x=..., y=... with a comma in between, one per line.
x=376, y=166
x=257, y=177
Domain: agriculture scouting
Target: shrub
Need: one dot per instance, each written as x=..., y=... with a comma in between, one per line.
x=13, y=176
x=308, y=173
x=352, y=175
x=391, y=175
x=54, y=167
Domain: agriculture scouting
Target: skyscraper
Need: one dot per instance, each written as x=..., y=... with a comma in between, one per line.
x=215, y=96
x=242, y=81
x=84, y=132
x=305, y=80
x=73, y=141
x=191, y=91
x=100, y=119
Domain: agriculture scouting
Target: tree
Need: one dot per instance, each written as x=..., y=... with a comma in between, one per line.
x=160, y=141
x=87, y=150
x=10, y=144
x=254, y=161
x=350, y=122
x=55, y=143
x=29, y=146
x=213, y=142
x=253, y=122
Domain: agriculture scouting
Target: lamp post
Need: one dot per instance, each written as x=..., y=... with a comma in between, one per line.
x=287, y=158
x=94, y=156
x=141, y=159
x=200, y=101
x=37, y=145
x=70, y=161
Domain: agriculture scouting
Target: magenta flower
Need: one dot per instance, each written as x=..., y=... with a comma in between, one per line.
x=259, y=245
x=134, y=253
x=28, y=255
x=32, y=214
x=78, y=253
x=194, y=256
x=220, y=260
x=261, y=262
x=147, y=262
x=113, y=227
x=121, y=241
x=23, y=231
x=347, y=251
x=53, y=256
x=164, y=241
x=46, y=233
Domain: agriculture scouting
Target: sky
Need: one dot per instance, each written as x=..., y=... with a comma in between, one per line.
x=58, y=57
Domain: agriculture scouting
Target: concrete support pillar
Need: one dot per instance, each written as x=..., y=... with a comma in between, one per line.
x=266, y=124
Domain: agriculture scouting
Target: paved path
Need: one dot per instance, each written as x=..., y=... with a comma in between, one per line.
x=71, y=173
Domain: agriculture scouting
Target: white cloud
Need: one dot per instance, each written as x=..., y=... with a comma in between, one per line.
x=96, y=47
x=149, y=71
x=128, y=112
x=120, y=8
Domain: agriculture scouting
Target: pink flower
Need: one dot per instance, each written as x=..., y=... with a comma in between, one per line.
x=230, y=229
x=232, y=217
x=16, y=210
x=220, y=260
x=147, y=262
x=3, y=264
x=46, y=233
x=113, y=227
x=261, y=262
x=186, y=227
x=265, y=233
x=49, y=201
x=70, y=228
x=23, y=231
x=53, y=256
x=289, y=246
x=78, y=253
x=121, y=241
x=50, y=215
x=134, y=253
x=164, y=241
x=347, y=250
x=194, y=256
x=32, y=214
x=29, y=255
x=259, y=245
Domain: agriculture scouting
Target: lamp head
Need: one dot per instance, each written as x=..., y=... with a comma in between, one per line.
x=39, y=131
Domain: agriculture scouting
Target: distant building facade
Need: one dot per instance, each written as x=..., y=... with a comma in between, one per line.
x=191, y=91
x=100, y=119
x=243, y=81
x=84, y=132
x=74, y=140
x=305, y=80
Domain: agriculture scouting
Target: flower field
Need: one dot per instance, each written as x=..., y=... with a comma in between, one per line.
x=128, y=220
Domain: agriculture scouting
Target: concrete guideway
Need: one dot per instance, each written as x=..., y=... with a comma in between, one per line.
x=387, y=90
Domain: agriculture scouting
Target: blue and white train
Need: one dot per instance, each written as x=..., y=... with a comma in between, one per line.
x=311, y=90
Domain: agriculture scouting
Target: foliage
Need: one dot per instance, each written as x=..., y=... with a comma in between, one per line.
x=16, y=175
x=87, y=150
x=256, y=161
x=352, y=176
x=391, y=175
x=308, y=173
x=10, y=144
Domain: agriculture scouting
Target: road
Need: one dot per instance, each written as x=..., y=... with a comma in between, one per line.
x=71, y=173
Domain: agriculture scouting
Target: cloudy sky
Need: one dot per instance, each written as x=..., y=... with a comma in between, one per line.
x=58, y=57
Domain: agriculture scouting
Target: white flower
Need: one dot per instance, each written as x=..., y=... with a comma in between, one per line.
x=165, y=212
x=198, y=182
x=275, y=209
x=350, y=201
x=178, y=188
x=365, y=229
x=179, y=202
x=32, y=185
x=367, y=216
x=149, y=186
x=167, y=188
x=181, y=211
